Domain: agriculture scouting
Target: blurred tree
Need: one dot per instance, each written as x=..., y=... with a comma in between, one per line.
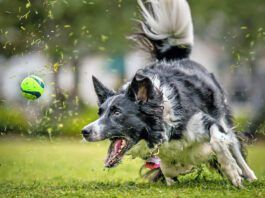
x=67, y=30
x=240, y=30
x=64, y=30
x=80, y=29
x=240, y=25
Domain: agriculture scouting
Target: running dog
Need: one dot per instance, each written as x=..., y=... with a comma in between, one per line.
x=174, y=104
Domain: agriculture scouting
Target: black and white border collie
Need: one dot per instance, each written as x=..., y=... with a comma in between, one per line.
x=173, y=104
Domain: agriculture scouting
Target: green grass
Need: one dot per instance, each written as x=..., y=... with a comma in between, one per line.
x=67, y=168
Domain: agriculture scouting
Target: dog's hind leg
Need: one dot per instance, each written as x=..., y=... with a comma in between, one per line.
x=235, y=149
x=220, y=141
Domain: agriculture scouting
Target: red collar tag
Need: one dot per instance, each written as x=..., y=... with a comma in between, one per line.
x=153, y=163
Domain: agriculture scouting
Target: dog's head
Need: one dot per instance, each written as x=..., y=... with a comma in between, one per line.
x=126, y=117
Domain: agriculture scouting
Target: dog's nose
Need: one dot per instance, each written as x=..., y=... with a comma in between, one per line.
x=86, y=132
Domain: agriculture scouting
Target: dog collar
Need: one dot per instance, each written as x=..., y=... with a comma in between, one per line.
x=153, y=163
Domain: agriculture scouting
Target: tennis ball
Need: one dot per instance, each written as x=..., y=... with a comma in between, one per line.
x=32, y=87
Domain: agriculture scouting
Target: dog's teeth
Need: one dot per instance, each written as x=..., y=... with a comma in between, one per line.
x=123, y=143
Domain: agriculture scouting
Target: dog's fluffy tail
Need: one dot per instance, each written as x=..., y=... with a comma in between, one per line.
x=166, y=29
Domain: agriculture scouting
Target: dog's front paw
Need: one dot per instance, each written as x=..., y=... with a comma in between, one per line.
x=234, y=174
x=237, y=181
x=170, y=181
x=250, y=176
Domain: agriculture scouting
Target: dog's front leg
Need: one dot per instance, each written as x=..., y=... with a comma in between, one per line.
x=168, y=173
x=172, y=171
x=220, y=142
x=169, y=181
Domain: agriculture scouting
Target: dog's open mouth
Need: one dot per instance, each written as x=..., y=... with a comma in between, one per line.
x=117, y=149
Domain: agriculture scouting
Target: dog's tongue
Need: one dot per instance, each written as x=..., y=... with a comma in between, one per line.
x=114, y=152
x=117, y=145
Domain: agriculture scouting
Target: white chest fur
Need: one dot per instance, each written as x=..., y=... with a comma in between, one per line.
x=177, y=157
x=182, y=152
x=176, y=151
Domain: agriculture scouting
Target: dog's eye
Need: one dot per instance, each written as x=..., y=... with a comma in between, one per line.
x=116, y=113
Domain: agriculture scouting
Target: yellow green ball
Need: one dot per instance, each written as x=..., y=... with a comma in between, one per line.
x=32, y=87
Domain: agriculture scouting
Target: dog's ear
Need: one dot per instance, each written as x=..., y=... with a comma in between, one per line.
x=141, y=88
x=102, y=92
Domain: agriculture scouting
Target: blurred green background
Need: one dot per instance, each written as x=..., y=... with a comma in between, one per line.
x=65, y=42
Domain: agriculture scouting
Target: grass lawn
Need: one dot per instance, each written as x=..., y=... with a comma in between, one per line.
x=68, y=168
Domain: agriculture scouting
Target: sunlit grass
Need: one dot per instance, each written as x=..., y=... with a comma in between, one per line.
x=69, y=168
x=42, y=160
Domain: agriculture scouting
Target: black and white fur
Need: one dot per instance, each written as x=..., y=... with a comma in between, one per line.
x=174, y=104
